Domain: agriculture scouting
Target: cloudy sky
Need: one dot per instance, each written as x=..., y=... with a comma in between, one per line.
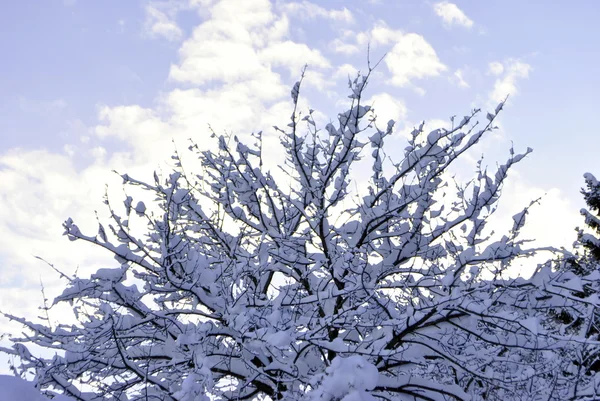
x=92, y=86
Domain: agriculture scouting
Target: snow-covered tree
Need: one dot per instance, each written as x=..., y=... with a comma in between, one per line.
x=590, y=242
x=589, y=262
x=290, y=285
x=586, y=264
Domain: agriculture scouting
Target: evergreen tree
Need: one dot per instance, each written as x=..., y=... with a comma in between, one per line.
x=589, y=262
x=590, y=242
x=585, y=264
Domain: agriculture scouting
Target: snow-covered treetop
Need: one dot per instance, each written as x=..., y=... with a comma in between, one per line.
x=248, y=286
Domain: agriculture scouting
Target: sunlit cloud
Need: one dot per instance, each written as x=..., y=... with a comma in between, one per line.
x=451, y=15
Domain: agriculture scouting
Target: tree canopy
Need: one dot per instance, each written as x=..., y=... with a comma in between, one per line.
x=252, y=284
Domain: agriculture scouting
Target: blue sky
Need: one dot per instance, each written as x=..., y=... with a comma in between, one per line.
x=90, y=86
x=65, y=58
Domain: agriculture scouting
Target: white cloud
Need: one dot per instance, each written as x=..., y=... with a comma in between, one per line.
x=495, y=68
x=201, y=3
x=247, y=14
x=69, y=149
x=230, y=60
x=410, y=57
x=293, y=55
x=226, y=47
x=306, y=10
x=339, y=46
x=419, y=91
x=379, y=35
x=143, y=134
x=98, y=153
x=216, y=59
x=508, y=75
x=459, y=79
x=159, y=24
x=40, y=191
x=241, y=44
x=345, y=71
x=386, y=107
x=451, y=15
x=519, y=192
